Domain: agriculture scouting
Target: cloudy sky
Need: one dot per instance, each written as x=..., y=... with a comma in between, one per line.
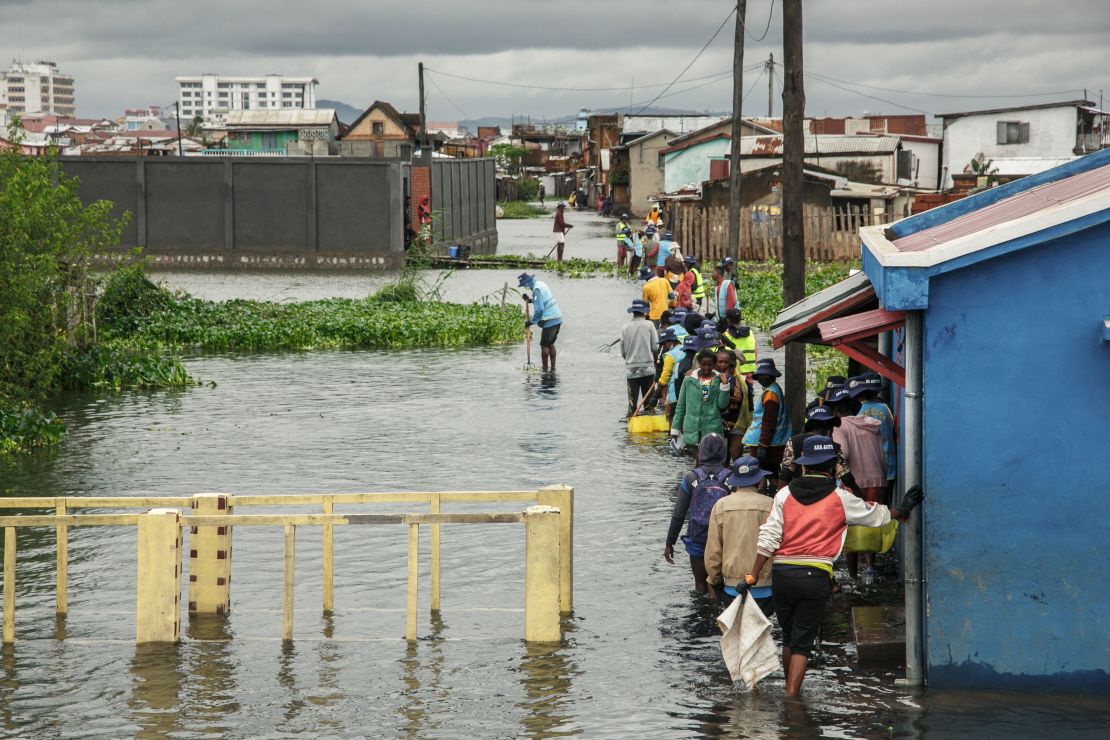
x=125, y=53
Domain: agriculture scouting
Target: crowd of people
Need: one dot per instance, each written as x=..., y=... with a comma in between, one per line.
x=766, y=510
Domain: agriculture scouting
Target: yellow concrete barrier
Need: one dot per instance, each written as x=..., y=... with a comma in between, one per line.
x=158, y=586
x=541, y=574
x=210, y=556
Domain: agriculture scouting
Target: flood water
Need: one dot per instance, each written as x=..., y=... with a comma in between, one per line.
x=640, y=656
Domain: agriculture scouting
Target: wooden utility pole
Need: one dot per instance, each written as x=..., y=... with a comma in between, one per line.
x=793, y=233
x=737, y=131
x=771, y=86
x=423, y=113
x=177, y=117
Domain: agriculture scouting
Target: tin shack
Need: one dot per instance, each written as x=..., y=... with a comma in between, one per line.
x=991, y=318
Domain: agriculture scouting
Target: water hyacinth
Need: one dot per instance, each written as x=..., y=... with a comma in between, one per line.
x=334, y=323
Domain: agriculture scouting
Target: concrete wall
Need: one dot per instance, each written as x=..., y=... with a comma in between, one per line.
x=464, y=202
x=253, y=212
x=690, y=166
x=1052, y=135
x=926, y=162
x=1015, y=408
x=644, y=171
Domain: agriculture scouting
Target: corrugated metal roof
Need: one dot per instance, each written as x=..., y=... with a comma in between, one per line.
x=844, y=327
x=1017, y=206
x=1021, y=166
x=281, y=117
x=830, y=144
x=799, y=321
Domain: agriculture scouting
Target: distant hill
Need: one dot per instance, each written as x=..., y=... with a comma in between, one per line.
x=345, y=113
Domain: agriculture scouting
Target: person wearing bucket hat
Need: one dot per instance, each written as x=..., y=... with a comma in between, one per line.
x=657, y=292
x=560, y=228
x=698, y=288
x=639, y=345
x=685, y=356
x=677, y=321
x=831, y=383
x=698, y=491
x=803, y=535
x=670, y=354
x=637, y=253
x=733, y=534
x=766, y=437
x=819, y=421
x=741, y=338
x=545, y=314
x=867, y=391
x=624, y=240
x=660, y=252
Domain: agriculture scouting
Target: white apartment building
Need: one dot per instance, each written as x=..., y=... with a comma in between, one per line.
x=211, y=96
x=38, y=87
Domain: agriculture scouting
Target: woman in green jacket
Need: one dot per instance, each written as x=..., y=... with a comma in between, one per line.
x=701, y=398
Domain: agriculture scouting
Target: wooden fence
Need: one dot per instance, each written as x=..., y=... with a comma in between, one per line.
x=830, y=236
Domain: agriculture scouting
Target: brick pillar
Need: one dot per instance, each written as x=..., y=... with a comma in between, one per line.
x=210, y=557
x=420, y=184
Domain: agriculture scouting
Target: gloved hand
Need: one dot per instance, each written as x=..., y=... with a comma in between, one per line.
x=760, y=454
x=527, y=323
x=911, y=499
x=527, y=298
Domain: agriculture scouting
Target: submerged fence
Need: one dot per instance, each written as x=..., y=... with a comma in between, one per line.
x=830, y=236
x=210, y=520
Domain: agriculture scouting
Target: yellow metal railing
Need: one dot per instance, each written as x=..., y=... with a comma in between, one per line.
x=211, y=522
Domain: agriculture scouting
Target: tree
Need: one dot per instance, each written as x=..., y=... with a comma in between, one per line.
x=508, y=157
x=195, y=127
x=48, y=238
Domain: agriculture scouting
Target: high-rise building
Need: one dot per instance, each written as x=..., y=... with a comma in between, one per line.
x=37, y=87
x=211, y=96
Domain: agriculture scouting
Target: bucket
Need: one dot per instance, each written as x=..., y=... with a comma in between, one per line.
x=453, y=252
x=648, y=424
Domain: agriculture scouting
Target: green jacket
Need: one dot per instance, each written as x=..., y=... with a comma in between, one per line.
x=694, y=417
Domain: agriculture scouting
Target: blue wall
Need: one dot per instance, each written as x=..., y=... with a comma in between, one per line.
x=1016, y=442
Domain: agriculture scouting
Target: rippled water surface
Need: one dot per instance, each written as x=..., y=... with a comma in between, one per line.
x=640, y=657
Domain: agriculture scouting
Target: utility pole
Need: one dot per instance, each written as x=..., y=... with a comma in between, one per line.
x=177, y=117
x=793, y=233
x=771, y=86
x=737, y=132
x=423, y=114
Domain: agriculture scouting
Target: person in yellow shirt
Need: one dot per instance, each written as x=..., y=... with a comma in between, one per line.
x=657, y=292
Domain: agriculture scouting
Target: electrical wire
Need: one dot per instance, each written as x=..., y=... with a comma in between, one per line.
x=770, y=14
x=750, y=89
x=550, y=88
x=692, y=61
x=447, y=97
x=813, y=76
x=945, y=95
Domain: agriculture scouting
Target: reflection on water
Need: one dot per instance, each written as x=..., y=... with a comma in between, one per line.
x=640, y=656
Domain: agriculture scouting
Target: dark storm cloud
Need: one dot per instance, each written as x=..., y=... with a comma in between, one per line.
x=126, y=52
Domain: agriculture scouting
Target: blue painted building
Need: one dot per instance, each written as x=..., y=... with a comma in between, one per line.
x=1004, y=298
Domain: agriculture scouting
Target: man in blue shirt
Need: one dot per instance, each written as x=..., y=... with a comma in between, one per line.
x=545, y=314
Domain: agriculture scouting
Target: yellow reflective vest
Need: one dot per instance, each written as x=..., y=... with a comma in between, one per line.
x=699, y=285
x=745, y=345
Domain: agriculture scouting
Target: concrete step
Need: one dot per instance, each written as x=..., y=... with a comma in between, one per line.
x=880, y=633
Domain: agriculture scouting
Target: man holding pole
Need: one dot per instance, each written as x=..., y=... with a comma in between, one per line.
x=639, y=346
x=545, y=314
x=560, y=228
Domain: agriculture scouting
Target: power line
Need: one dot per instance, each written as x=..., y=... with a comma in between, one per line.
x=447, y=97
x=770, y=14
x=944, y=95
x=750, y=89
x=696, y=58
x=527, y=86
x=857, y=92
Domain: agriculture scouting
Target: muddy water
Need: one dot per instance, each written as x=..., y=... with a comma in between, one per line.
x=640, y=656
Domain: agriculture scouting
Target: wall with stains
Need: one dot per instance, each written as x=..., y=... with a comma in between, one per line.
x=1016, y=441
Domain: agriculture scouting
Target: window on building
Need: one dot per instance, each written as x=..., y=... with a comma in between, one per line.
x=287, y=95
x=378, y=128
x=1013, y=132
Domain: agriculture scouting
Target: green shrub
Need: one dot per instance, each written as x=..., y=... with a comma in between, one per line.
x=527, y=190
x=24, y=429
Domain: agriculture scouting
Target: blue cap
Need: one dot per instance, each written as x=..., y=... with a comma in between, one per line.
x=650, y=229
x=816, y=450
x=523, y=279
x=667, y=336
x=746, y=472
x=690, y=259
x=646, y=273
x=708, y=338
x=691, y=343
x=833, y=381
x=820, y=414
x=677, y=316
x=766, y=367
x=639, y=306
x=837, y=395
x=668, y=235
x=709, y=324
